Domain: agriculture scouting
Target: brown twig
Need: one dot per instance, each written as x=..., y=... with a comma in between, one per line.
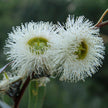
x=18, y=98
x=100, y=23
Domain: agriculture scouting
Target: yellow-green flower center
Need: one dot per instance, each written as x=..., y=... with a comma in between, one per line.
x=82, y=50
x=38, y=45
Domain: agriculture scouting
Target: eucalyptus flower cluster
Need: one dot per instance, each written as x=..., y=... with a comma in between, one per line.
x=72, y=51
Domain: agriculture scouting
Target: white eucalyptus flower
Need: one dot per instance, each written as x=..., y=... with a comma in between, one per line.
x=7, y=81
x=81, y=50
x=29, y=46
x=43, y=81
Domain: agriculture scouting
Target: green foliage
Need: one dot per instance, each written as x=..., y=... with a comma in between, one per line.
x=36, y=95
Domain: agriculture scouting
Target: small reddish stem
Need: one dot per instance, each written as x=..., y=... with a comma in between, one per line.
x=102, y=24
x=18, y=98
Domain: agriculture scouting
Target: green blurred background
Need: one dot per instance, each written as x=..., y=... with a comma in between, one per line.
x=93, y=93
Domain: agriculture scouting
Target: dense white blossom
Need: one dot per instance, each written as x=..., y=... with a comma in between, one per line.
x=80, y=51
x=30, y=45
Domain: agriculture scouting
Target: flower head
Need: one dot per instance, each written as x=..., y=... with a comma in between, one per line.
x=29, y=47
x=80, y=51
x=8, y=80
x=43, y=81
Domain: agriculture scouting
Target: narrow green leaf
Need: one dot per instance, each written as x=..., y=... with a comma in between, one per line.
x=4, y=67
x=4, y=105
x=7, y=100
x=6, y=75
x=36, y=95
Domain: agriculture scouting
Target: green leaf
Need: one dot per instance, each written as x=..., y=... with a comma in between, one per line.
x=6, y=99
x=36, y=95
x=4, y=67
x=4, y=105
